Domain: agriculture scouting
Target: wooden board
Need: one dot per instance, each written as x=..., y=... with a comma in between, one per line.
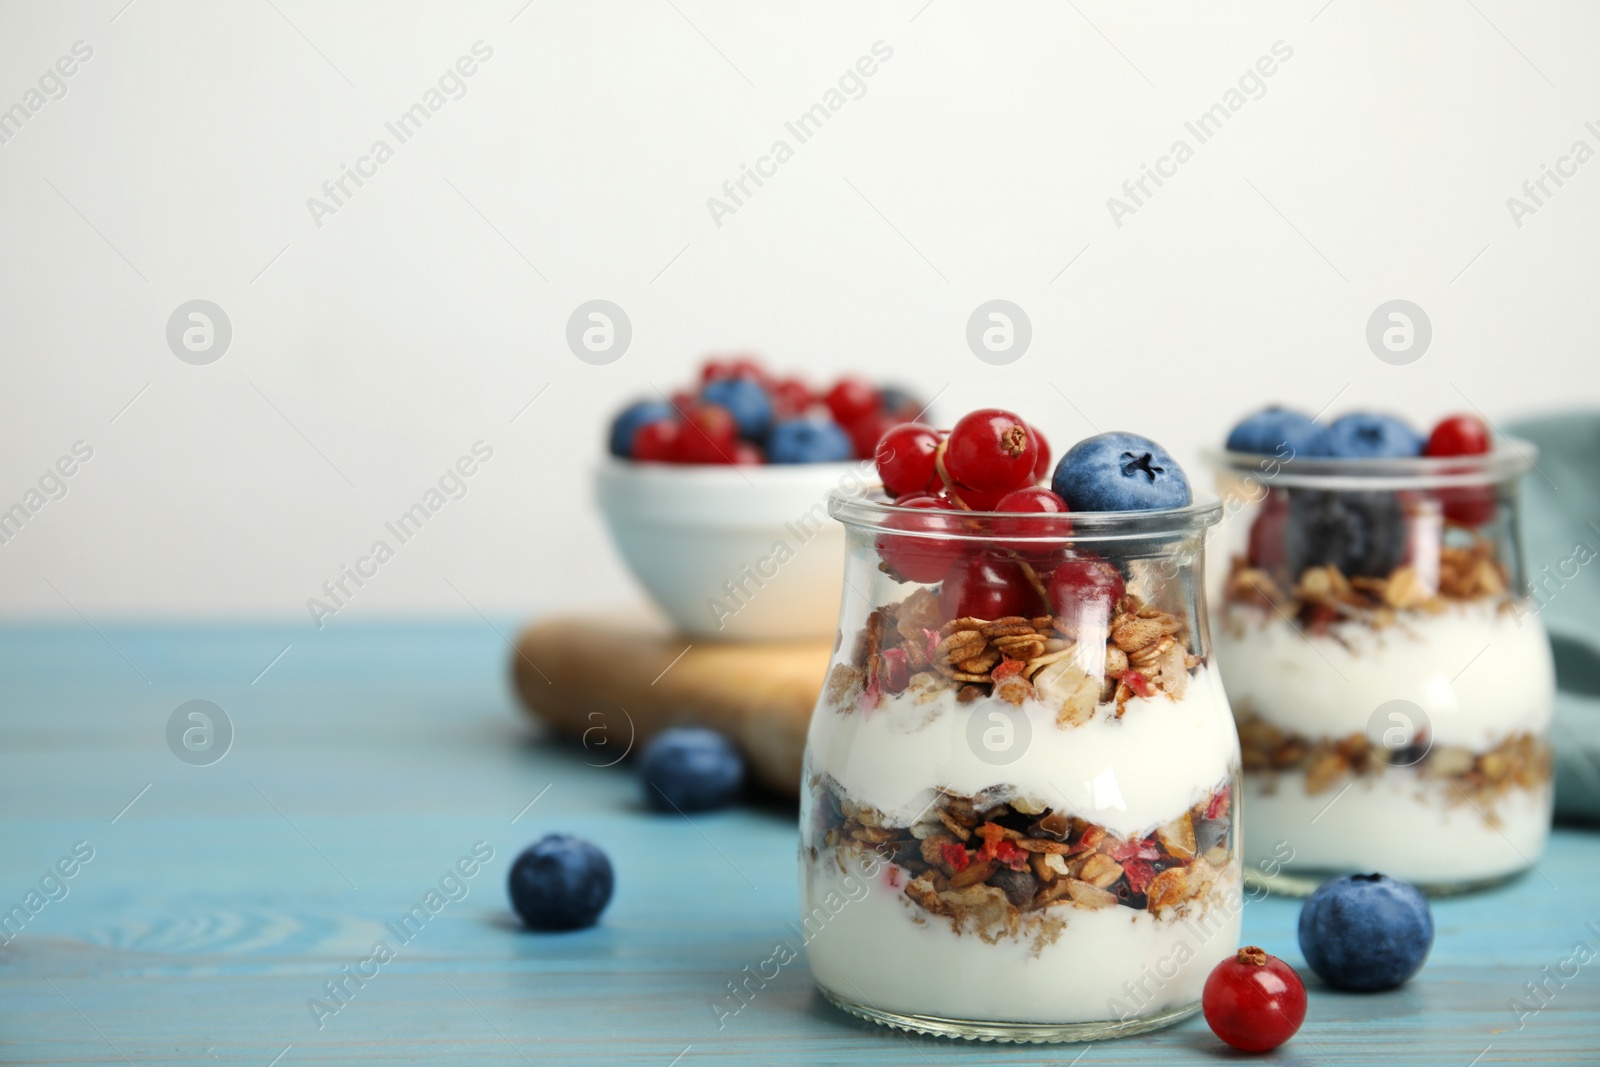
x=370, y=757
x=611, y=684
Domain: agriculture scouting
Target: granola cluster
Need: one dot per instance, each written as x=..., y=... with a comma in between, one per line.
x=1521, y=761
x=1002, y=869
x=1323, y=595
x=905, y=646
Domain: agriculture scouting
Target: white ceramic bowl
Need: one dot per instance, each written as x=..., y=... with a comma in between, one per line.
x=734, y=553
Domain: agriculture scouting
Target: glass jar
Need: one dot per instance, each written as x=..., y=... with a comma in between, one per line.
x=1017, y=816
x=1391, y=678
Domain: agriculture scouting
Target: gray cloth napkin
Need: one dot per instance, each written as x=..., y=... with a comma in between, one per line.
x=1561, y=530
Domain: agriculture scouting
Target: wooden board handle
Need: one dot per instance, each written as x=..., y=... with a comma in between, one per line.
x=626, y=680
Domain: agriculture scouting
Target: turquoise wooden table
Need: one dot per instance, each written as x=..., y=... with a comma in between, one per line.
x=219, y=901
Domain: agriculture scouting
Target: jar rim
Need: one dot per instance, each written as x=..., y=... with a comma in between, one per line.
x=1511, y=457
x=872, y=510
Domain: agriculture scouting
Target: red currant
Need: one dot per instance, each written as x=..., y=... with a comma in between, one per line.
x=747, y=454
x=1468, y=505
x=1031, y=500
x=988, y=587
x=657, y=442
x=1269, y=530
x=1085, y=589
x=979, y=499
x=991, y=450
x=920, y=559
x=708, y=436
x=1253, y=1001
x=1041, y=466
x=849, y=399
x=866, y=431
x=1459, y=435
x=715, y=369
x=791, y=397
x=748, y=367
x=905, y=459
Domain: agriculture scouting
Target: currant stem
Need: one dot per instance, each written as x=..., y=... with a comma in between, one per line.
x=944, y=475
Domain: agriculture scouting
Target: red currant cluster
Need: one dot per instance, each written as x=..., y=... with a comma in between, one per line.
x=741, y=413
x=990, y=461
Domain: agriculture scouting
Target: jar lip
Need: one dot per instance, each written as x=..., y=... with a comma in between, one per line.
x=872, y=510
x=1511, y=457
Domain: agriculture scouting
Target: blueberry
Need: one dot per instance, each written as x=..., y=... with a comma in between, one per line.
x=746, y=401
x=560, y=883
x=1018, y=886
x=1366, y=932
x=1364, y=436
x=1120, y=472
x=899, y=401
x=808, y=441
x=627, y=423
x=690, y=768
x=1363, y=534
x=1278, y=431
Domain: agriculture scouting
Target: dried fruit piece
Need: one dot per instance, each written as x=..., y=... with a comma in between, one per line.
x=1177, y=837
x=1101, y=870
x=1089, y=896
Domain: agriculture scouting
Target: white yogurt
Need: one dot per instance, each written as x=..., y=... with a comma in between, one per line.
x=1479, y=674
x=1394, y=823
x=878, y=949
x=1129, y=774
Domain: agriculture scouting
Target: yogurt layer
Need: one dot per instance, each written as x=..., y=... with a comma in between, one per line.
x=1106, y=965
x=1129, y=774
x=1395, y=823
x=1478, y=672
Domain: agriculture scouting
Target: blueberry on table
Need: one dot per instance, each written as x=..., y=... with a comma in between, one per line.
x=1278, y=431
x=560, y=883
x=1366, y=932
x=629, y=421
x=1365, y=436
x=808, y=441
x=1120, y=472
x=746, y=400
x=691, y=768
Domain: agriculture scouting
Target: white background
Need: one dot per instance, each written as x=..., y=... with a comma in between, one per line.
x=374, y=350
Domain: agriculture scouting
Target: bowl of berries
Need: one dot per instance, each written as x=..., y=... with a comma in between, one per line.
x=716, y=496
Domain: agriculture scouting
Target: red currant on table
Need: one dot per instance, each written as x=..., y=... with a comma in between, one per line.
x=905, y=459
x=849, y=399
x=1253, y=1001
x=991, y=450
x=988, y=587
x=920, y=559
x=1459, y=435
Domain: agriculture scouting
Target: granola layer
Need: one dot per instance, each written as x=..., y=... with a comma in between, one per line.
x=1321, y=596
x=1480, y=779
x=1014, y=870
x=1140, y=651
